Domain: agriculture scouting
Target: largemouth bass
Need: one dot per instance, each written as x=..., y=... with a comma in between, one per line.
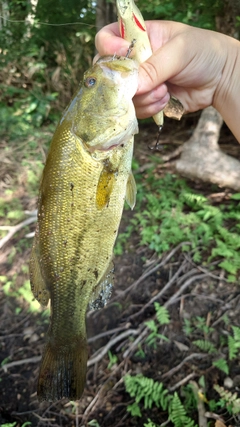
x=85, y=181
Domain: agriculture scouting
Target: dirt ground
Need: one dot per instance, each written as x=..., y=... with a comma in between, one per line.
x=139, y=276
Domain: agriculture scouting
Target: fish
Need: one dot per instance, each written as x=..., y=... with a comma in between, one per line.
x=85, y=182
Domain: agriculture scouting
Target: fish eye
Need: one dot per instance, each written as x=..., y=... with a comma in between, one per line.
x=90, y=82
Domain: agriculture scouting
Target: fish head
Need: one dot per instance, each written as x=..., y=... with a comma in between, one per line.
x=102, y=114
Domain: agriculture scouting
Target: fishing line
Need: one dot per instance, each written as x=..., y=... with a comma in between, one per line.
x=46, y=23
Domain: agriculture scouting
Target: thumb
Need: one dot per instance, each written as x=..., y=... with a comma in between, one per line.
x=164, y=64
x=109, y=42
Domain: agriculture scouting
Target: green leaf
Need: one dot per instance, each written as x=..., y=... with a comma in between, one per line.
x=235, y=196
x=205, y=346
x=162, y=314
x=222, y=365
x=134, y=410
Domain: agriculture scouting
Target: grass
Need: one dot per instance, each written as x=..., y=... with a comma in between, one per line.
x=169, y=212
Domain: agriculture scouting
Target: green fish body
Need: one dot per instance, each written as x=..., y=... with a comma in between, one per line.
x=85, y=181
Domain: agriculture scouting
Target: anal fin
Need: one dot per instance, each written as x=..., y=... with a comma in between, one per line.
x=38, y=285
x=103, y=290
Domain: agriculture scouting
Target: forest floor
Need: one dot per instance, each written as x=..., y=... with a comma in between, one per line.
x=202, y=305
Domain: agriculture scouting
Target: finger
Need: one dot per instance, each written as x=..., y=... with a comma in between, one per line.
x=109, y=42
x=156, y=95
x=152, y=109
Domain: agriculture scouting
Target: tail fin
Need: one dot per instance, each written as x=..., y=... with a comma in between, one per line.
x=62, y=372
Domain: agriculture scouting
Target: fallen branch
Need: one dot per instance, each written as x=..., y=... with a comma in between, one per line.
x=182, y=382
x=106, y=333
x=13, y=229
x=149, y=272
x=180, y=365
x=202, y=419
x=101, y=353
x=135, y=343
x=173, y=299
x=34, y=359
x=165, y=288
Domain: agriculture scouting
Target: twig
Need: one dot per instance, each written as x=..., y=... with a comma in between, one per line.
x=112, y=342
x=181, y=382
x=171, y=156
x=214, y=416
x=188, y=274
x=165, y=288
x=178, y=367
x=10, y=336
x=43, y=419
x=106, y=386
x=135, y=343
x=17, y=326
x=150, y=272
x=173, y=299
x=106, y=333
x=202, y=420
x=204, y=270
x=14, y=229
x=34, y=359
x=91, y=404
x=170, y=301
x=225, y=309
x=92, y=361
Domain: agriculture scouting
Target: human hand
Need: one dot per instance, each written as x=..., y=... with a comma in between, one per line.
x=190, y=60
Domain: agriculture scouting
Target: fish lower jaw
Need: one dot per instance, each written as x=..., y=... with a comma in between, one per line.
x=119, y=140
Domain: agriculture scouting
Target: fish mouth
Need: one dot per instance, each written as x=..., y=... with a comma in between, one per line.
x=119, y=70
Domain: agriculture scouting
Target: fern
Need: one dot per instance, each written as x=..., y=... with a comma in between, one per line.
x=153, y=392
x=152, y=338
x=230, y=400
x=134, y=410
x=145, y=388
x=205, y=346
x=178, y=414
x=222, y=365
x=236, y=333
x=162, y=314
x=172, y=214
x=194, y=199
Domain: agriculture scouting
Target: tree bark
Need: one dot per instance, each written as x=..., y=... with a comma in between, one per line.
x=202, y=157
x=106, y=13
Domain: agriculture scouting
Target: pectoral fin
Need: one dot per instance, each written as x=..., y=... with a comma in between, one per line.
x=104, y=188
x=131, y=191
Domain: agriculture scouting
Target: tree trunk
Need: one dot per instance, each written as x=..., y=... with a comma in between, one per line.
x=106, y=13
x=202, y=158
